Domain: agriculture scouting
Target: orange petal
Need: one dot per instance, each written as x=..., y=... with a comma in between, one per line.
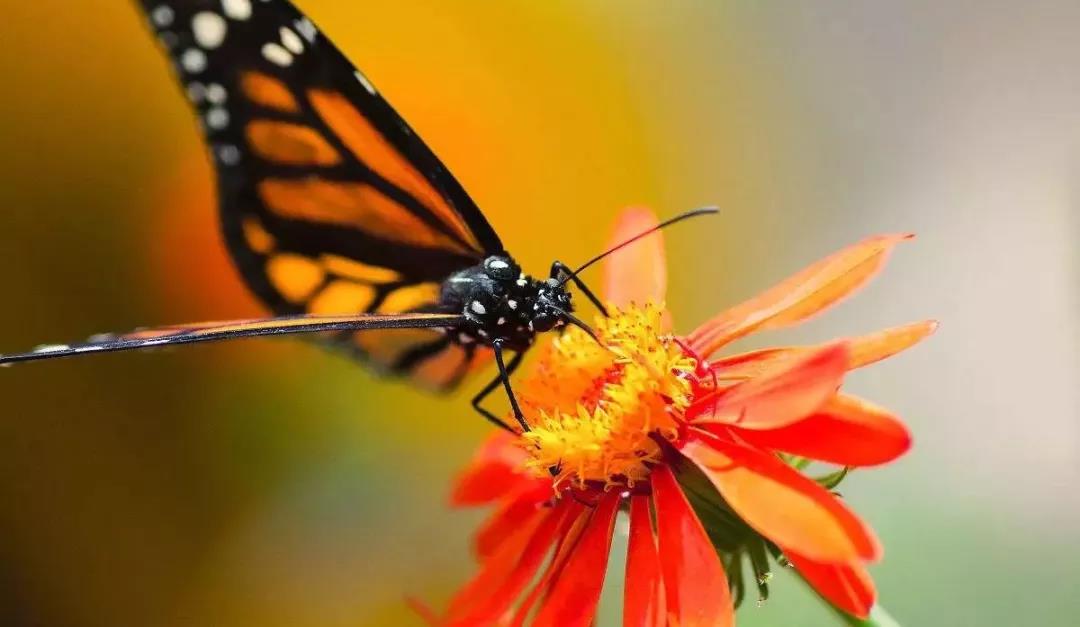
x=637, y=273
x=643, y=592
x=505, y=574
x=781, y=504
x=576, y=592
x=846, y=430
x=781, y=397
x=694, y=580
x=872, y=348
x=847, y=586
x=493, y=472
x=865, y=350
x=554, y=569
x=800, y=296
x=509, y=517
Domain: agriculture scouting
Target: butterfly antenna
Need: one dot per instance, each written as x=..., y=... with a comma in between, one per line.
x=693, y=213
x=577, y=322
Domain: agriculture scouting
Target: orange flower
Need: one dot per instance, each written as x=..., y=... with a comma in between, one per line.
x=705, y=456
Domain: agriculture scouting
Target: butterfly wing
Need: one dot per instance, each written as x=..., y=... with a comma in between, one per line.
x=236, y=329
x=329, y=202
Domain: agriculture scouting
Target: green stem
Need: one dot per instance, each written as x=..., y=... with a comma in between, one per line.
x=878, y=618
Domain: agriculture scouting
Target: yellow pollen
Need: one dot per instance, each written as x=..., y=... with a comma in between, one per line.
x=595, y=409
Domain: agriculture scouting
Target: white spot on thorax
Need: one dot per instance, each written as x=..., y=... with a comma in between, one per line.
x=521, y=282
x=478, y=307
x=209, y=29
x=277, y=55
x=291, y=40
x=162, y=16
x=193, y=60
x=512, y=304
x=365, y=82
x=500, y=321
x=237, y=9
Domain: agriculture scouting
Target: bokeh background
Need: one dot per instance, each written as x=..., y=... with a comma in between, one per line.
x=271, y=484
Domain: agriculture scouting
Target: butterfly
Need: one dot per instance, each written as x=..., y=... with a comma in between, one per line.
x=337, y=215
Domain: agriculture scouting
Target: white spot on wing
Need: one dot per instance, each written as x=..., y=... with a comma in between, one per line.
x=499, y=264
x=277, y=55
x=291, y=40
x=196, y=91
x=162, y=16
x=228, y=154
x=478, y=307
x=237, y=9
x=306, y=29
x=193, y=60
x=51, y=348
x=209, y=29
x=217, y=118
x=521, y=282
x=512, y=304
x=365, y=82
x=215, y=93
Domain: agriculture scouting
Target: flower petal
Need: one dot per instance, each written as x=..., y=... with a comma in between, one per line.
x=800, y=296
x=781, y=504
x=505, y=520
x=576, y=592
x=846, y=430
x=865, y=350
x=637, y=273
x=554, y=569
x=505, y=574
x=847, y=586
x=694, y=580
x=789, y=393
x=643, y=592
x=494, y=472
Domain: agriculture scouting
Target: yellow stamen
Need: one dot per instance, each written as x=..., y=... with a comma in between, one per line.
x=594, y=409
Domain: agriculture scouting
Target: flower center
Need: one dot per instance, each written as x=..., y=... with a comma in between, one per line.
x=596, y=408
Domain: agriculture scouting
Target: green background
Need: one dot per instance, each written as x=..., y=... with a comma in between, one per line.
x=263, y=483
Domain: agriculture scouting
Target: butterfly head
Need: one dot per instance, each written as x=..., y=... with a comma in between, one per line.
x=552, y=306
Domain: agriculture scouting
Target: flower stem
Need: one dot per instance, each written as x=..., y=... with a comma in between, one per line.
x=878, y=618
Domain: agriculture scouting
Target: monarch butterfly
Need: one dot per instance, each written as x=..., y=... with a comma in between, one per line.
x=330, y=203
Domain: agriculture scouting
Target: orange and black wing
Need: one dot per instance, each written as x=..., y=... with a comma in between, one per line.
x=329, y=202
x=233, y=330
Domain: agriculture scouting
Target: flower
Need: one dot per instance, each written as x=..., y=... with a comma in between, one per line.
x=704, y=453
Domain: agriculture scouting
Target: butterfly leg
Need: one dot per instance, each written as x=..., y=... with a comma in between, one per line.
x=559, y=270
x=505, y=370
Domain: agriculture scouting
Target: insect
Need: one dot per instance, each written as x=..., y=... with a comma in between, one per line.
x=337, y=215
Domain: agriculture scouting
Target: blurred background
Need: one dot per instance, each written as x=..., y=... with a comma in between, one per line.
x=271, y=484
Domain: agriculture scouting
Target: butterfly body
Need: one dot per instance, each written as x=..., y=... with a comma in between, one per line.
x=501, y=304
